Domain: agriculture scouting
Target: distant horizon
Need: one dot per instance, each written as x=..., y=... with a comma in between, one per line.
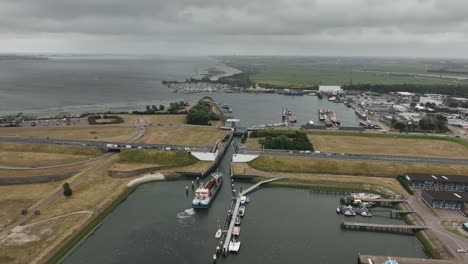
x=38, y=54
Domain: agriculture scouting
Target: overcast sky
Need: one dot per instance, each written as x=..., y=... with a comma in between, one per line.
x=419, y=28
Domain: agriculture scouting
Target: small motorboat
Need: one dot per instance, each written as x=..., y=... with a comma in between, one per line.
x=236, y=230
x=243, y=199
x=234, y=246
x=237, y=221
x=247, y=200
x=338, y=210
x=218, y=233
x=366, y=214
x=349, y=213
x=241, y=211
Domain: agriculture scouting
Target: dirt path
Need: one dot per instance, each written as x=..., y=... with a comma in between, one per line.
x=57, y=217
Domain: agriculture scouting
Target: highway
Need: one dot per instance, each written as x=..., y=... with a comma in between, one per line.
x=323, y=155
x=348, y=156
x=101, y=144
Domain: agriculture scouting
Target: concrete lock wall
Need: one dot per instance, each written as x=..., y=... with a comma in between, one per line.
x=243, y=157
x=126, y=174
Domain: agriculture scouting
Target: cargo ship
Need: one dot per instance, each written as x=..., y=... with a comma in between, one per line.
x=205, y=194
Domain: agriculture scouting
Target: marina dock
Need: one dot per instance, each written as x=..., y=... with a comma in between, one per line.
x=406, y=229
x=381, y=202
x=233, y=213
x=228, y=236
x=399, y=213
x=366, y=259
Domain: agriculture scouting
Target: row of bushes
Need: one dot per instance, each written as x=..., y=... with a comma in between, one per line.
x=114, y=119
x=290, y=141
x=405, y=184
x=201, y=114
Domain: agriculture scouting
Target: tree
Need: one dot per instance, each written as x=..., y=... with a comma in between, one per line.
x=399, y=125
x=67, y=191
x=161, y=108
x=154, y=108
x=413, y=104
x=148, y=108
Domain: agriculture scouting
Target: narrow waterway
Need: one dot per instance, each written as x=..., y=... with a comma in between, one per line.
x=157, y=225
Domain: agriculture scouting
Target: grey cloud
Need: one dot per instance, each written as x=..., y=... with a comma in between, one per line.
x=245, y=26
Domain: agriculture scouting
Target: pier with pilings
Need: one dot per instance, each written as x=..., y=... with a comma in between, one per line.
x=367, y=259
x=378, y=202
x=404, y=229
x=229, y=223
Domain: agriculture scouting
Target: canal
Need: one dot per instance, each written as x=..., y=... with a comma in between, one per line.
x=157, y=225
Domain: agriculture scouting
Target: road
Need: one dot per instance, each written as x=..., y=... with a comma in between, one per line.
x=348, y=156
x=55, y=166
x=57, y=194
x=79, y=178
x=451, y=241
x=100, y=144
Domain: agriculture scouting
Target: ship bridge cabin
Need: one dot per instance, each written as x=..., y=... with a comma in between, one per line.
x=437, y=182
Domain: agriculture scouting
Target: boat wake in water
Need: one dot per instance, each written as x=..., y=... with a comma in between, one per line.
x=185, y=215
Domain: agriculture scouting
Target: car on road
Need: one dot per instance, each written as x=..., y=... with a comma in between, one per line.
x=462, y=250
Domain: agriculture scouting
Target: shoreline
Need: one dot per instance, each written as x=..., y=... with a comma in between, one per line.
x=76, y=240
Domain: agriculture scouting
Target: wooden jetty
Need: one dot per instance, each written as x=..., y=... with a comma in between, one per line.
x=367, y=259
x=406, y=229
x=399, y=213
x=228, y=236
x=230, y=220
x=380, y=202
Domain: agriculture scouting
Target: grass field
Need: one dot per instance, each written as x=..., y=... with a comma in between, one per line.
x=157, y=157
x=7, y=173
x=44, y=155
x=159, y=119
x=388, y=146
x=15, y=197
x=290, y=71
x=130, y=166
x=382, y=185
x=313, y=165
x=182, y=135
x=98, y=133
x=91, y=195
x=197, y=167
x=253, y=143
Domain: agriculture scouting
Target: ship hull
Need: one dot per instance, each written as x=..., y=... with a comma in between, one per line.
x=214, y=193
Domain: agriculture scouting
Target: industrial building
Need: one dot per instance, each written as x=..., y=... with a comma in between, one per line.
x=445, y=199
x=437, y=182
x=330, y=89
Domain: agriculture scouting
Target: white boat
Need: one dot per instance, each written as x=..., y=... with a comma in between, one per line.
x=237, y=221
x=241, y=211
x=366, y=214
x=311, y=122
x=236, y=230
x=234, y=246
x=365, y=196
x=218, y=233
x=247, y=200
x=462, y=250
x=243, y=199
